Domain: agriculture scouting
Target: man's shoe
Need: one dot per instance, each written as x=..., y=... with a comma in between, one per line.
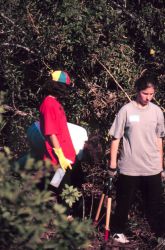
x=120, y=238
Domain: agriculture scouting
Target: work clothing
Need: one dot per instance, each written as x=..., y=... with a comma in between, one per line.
x=139, y=164
x=150, y=187
x=139, y=129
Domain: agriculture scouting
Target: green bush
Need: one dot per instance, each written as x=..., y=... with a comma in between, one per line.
x=70, y=195
x=26, y=212
x=81, y=37
x=100, y=43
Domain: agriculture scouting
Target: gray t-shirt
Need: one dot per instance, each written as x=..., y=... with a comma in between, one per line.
x=139, y=129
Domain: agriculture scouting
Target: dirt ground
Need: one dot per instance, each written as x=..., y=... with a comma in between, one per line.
x=139, y=235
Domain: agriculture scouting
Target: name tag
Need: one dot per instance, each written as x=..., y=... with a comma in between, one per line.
x=134, y=118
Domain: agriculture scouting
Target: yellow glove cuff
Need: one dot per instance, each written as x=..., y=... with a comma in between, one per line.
x=64, y=163
x=58, y=151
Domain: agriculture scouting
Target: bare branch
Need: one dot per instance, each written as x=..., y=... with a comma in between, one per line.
x=113, y=79
x=31, y=19
x=12, y=22
x=15, y=111
x=18, y=46
x=124, y=11
x=4, y=32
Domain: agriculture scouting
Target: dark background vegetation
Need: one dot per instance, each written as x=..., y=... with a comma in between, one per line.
x=103, y=45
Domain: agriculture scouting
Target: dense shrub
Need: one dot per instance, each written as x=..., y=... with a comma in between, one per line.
x=81, y=37
x=104, y=45
x=26, y=213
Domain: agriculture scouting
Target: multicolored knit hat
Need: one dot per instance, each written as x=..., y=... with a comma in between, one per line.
x=60, y=76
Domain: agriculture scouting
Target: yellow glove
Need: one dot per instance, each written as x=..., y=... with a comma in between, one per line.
x=64, y=163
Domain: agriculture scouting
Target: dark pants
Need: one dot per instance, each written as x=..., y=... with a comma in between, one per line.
x=75, y=178
x=151, y=189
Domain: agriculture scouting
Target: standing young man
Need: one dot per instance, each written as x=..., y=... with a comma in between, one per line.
x=140, y=125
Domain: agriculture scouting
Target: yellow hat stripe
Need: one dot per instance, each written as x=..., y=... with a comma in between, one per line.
x=56, y=75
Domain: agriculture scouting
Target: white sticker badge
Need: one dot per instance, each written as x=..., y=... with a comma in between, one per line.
x=134, y=118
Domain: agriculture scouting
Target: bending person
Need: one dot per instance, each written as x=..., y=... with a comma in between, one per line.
x=79, y=139
x=53, y=122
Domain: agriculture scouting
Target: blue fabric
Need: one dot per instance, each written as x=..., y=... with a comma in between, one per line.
x=62, y=78
x=36, y=139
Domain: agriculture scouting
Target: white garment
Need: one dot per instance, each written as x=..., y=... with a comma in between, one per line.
x=79, y=137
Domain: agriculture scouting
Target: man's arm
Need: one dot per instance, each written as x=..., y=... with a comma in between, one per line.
x=58, y=151
x=54, y=141
x=113, y=152
x=160, y=148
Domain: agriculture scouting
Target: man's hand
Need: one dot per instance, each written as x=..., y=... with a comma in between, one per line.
x=112, y=172
x=64, y=163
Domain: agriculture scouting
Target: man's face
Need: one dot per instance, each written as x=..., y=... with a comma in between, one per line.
x=145, y=96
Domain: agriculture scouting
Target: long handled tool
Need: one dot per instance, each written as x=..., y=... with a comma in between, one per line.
x=107, y=192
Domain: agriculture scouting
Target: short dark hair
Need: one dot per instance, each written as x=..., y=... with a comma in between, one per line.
x=56, y=89
x=146, y=80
